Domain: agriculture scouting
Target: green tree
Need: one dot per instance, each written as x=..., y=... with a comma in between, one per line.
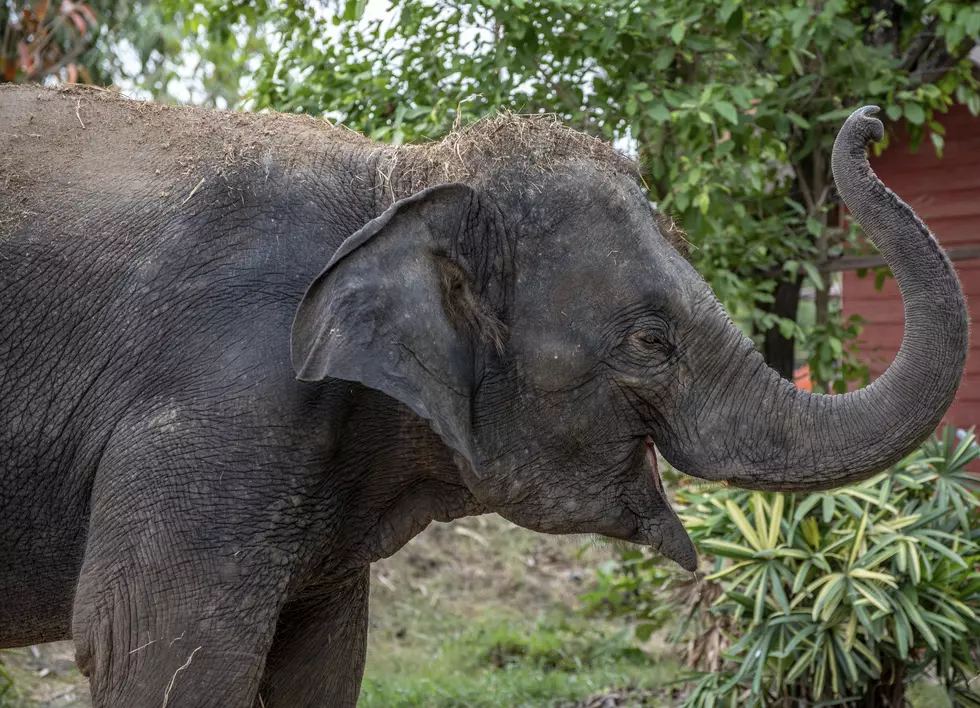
x=730, y=105
x=152, y=47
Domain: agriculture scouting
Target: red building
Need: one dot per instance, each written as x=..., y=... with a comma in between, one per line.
x=946, y=194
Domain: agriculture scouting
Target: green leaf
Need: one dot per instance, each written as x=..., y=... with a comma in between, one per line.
x=805, y=506
x=862, y=649
x=665, y=57
x=942, y=550
x=778, y=592
x=842, y=655
x=786, y=552
x=859, y=536
x=798, y=638
x=834, y=116
x=829, y=597
x=354, y=10
x=727, y=111
x=814, y=227
x=775, y=519
x=802, y=664
x=728, y=571
x=903, y=633
x=798, y=120
x=914, y=113
x=761, y=650
x=677, y=32
x=743, y=525
x=761, y=515
x=873, y=575
x=728, y=8
x=871, y=596
x=916, y=618
x=787, y=327
x=760, y=597
x=727, y=549
x=801, y=576
x=828, y=508
x=659, y=112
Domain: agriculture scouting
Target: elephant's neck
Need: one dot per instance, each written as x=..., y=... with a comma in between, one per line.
x=402, y=478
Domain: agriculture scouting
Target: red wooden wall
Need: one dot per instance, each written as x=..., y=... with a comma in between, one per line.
x=946, y=194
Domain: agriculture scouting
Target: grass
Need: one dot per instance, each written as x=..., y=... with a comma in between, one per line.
x=46, y=677
x=482, y=614
x=499, y=661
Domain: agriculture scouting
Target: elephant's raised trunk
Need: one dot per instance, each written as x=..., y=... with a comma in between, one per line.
x=786, y=439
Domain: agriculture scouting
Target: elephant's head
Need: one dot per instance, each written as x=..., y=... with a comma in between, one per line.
x=552, y=336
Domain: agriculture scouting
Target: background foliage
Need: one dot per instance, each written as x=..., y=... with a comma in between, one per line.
x=730, y=106
x=166, y=49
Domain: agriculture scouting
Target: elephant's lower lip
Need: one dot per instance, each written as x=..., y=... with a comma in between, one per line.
x=672, y=539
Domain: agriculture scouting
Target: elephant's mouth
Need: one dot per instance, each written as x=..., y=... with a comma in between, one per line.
x=662, y=528
x=651, y=451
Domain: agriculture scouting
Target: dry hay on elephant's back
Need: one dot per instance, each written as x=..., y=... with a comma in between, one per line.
x=78, y=135
x=525, y=146
x=77, y=142
x=71, y=119
x=675, y=235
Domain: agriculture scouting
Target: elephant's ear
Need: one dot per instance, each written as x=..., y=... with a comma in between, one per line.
x=376, y=313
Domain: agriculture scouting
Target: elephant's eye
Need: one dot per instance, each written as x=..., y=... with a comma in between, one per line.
x=647, y=347
x=650, y=340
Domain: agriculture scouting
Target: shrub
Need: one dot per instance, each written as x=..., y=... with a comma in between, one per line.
x=836, y=598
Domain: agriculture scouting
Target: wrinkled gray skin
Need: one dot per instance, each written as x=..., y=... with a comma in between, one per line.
x=223, y=399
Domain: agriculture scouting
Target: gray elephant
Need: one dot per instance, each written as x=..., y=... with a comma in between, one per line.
x=244, y=356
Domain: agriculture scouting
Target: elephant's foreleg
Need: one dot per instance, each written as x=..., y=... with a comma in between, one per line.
x=317, y=658
x=187, y=564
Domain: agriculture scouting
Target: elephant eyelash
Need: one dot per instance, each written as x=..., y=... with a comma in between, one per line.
x=647, y=348
x=648, y=339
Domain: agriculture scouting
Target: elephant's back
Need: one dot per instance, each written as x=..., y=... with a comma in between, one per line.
x=70, y=150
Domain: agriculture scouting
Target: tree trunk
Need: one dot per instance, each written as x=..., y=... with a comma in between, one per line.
x=780, y=352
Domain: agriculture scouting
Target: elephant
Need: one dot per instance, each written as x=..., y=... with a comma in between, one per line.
x=243, y=356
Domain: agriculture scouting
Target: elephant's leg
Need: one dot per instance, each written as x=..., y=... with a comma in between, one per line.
x=317, y=658
x=187, y=562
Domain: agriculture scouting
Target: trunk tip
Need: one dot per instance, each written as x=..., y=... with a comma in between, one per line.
x=863, y=126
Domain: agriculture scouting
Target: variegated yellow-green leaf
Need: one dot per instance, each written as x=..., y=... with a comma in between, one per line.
x=864, y=574
x=739, y=519
x=775, y=521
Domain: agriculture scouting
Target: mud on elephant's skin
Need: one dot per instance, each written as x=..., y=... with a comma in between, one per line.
x=244, y=356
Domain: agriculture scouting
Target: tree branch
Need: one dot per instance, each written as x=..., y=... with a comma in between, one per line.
x=919, y=46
